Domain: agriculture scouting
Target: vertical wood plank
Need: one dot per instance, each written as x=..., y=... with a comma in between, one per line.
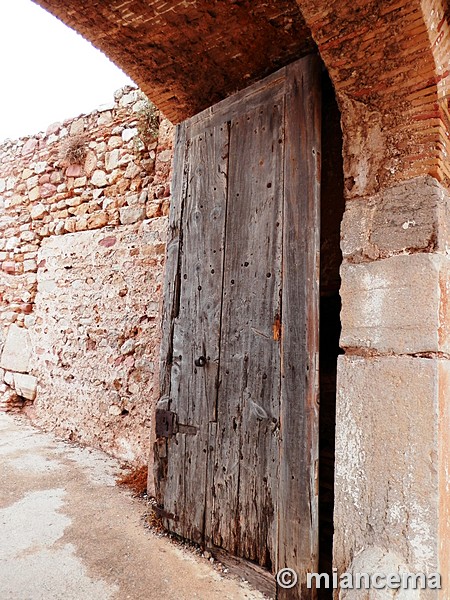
x=298, y=490
x=243, y=496
x=196, y=332
x=170, y=300
x=172, y=282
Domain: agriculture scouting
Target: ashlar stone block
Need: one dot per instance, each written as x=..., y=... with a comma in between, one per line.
x=16, y=352
x=25, y=385
x=413, y=216
x=397, y=305
x=392, y=460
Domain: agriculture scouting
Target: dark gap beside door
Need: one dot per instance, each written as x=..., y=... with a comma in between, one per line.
x=331, y=212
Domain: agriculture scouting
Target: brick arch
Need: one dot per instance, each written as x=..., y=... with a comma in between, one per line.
x=387, y=60
x=436, y=15
x=188, y=54
x=389, y=64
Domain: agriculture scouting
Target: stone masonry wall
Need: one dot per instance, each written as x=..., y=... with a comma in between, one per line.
x=83, y=211
x=392, y=418
x=96, y=337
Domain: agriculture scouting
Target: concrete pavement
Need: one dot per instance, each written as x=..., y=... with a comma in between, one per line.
x=67, y=532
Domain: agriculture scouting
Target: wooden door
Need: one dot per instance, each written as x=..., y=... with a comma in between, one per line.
x=236, y=450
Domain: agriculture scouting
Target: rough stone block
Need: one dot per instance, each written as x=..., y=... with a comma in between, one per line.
x=74, y=171
x=105, y=118
x=388, y=461
x=112, y=160
x=16, y=352
x=8, y=378
x=29, y=146
x=25, y=385
x=412, y=216
x=129, y=134
x=29, y=265
x=90, y=163
x=48, y=190
x=9, y=266
x=132, y=170
x=99, y=178
x=397, y=305
x=77, y=127
x=79, y=182
x=114, y=142
x=9, y=401
x=99, y=219
x=40, y=167
x=34, y=194
x=131, y=214
x=53, y=128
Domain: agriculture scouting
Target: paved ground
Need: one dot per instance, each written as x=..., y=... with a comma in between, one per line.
x=67, y=532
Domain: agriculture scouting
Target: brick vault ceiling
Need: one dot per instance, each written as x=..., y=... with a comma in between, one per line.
x=187, y=55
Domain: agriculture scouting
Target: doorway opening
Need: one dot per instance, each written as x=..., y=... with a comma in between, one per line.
x=331, y=213
x=240, y=335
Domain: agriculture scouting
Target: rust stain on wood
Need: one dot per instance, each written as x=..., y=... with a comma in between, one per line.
x=277, y=328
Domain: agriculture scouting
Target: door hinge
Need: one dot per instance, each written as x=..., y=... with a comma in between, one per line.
x=166, y=423
x=164, y=514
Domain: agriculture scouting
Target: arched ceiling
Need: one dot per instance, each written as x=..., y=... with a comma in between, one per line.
x=388, y=61
x=188, y=54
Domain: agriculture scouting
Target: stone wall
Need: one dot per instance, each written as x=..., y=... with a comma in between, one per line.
x=83, y=211
x=96, y=335
x=391, y=473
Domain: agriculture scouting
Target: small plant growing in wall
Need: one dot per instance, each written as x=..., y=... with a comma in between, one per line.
x=148, y=118
x=73, y=150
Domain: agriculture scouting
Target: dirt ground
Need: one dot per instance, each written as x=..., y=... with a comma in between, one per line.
x=68, y=532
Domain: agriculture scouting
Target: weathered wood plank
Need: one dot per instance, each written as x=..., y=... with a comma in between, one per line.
x=259, y=578
x=298, y=485
x=171, y=282
x=245, y=101
x=243, y=504
x=196, y=331
x=170, y=300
